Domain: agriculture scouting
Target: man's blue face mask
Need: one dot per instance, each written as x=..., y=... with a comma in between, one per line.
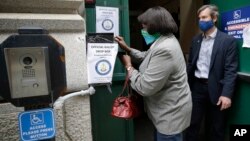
x=148, y=37
x=206, y=25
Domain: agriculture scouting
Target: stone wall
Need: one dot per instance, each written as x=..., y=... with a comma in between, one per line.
x=65, y=22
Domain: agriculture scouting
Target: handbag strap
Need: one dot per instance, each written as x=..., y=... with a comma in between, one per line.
x=125, y=85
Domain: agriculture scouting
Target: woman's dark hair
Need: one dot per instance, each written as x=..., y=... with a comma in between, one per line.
x=158, y=20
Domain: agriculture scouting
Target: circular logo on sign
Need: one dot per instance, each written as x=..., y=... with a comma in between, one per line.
x=103, y=67
x=107, y=24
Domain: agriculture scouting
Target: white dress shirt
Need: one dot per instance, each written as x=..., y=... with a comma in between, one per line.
x=203, y=62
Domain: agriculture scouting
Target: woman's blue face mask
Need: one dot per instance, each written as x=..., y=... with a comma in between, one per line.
x=148, y=37
x=206, y=25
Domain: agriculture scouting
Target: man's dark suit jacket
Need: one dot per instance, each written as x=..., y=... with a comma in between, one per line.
x=223, y=66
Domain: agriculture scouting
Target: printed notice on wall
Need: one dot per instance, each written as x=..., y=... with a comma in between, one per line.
x=101, y=60
x=107, y=20
x=233, y=22
x=246, y=37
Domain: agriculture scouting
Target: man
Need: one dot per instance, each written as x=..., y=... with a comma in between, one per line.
x=212, y=71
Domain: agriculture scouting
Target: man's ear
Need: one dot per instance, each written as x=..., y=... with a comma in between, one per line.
x=215, y=19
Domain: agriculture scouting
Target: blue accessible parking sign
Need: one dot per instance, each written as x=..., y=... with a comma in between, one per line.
x=37, y=124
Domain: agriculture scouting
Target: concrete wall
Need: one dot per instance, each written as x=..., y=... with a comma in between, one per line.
x=64, y=21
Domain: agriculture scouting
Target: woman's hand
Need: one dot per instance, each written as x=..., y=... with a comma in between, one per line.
x=122, y=43
x=126, y=61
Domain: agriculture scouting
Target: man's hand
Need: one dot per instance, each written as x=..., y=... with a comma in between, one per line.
x=225, y=102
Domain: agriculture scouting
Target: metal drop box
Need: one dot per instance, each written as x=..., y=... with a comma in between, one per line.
x=28, y=71
x=32, y=68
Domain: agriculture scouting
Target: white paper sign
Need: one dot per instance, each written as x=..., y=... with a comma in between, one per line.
x=246, y=37
x=101, y=60
x=107, y=20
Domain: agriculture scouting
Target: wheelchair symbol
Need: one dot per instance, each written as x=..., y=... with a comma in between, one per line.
x=237, y=14
x=37, y=118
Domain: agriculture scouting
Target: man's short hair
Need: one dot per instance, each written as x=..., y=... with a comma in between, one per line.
x=158, y=20
x=213, y=8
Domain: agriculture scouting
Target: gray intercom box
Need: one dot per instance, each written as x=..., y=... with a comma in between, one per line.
x=28, y=71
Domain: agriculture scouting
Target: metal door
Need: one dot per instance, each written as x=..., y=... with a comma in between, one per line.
x=105, y=127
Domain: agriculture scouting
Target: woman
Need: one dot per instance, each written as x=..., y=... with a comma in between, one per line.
x=161, y=78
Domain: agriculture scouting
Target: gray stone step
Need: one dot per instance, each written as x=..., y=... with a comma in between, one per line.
x=51, y=22
x=40, y=6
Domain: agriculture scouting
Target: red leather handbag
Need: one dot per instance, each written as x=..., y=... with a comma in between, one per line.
x=125, y=107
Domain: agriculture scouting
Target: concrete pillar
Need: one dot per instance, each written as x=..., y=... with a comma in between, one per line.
x=64, y=21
